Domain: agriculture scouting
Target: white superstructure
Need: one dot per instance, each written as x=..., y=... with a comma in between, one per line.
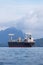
x=28, y=37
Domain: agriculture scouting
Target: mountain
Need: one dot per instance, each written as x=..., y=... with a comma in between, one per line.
x=39, y=42
x=4, y=35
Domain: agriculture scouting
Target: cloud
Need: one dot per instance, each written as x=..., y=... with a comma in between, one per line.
x=12, y=11
x=26, y=17
x=32, y=22
x=3, y=28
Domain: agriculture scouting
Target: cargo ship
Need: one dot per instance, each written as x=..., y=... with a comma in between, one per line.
x=26, y=42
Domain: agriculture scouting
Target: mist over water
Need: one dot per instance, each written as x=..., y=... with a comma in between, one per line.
x=21, y=56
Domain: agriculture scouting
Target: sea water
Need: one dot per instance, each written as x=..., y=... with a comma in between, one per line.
x=21, y=56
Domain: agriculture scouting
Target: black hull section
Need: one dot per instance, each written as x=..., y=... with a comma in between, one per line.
x=20, y=44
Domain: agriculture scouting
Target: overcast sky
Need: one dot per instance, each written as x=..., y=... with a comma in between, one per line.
x=26, y=15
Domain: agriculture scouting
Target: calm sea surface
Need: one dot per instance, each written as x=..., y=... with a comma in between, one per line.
x=21, y=56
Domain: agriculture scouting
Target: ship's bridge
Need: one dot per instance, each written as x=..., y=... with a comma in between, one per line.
x=28, y=37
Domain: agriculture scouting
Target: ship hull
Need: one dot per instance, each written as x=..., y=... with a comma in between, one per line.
x=20, y=44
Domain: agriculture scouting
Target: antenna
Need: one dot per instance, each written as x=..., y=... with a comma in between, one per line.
x=11, y=36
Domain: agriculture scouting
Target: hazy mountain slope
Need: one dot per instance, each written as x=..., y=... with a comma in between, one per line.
x=39, y=42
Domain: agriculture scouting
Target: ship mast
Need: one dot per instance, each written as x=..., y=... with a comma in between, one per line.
x=11, y=36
